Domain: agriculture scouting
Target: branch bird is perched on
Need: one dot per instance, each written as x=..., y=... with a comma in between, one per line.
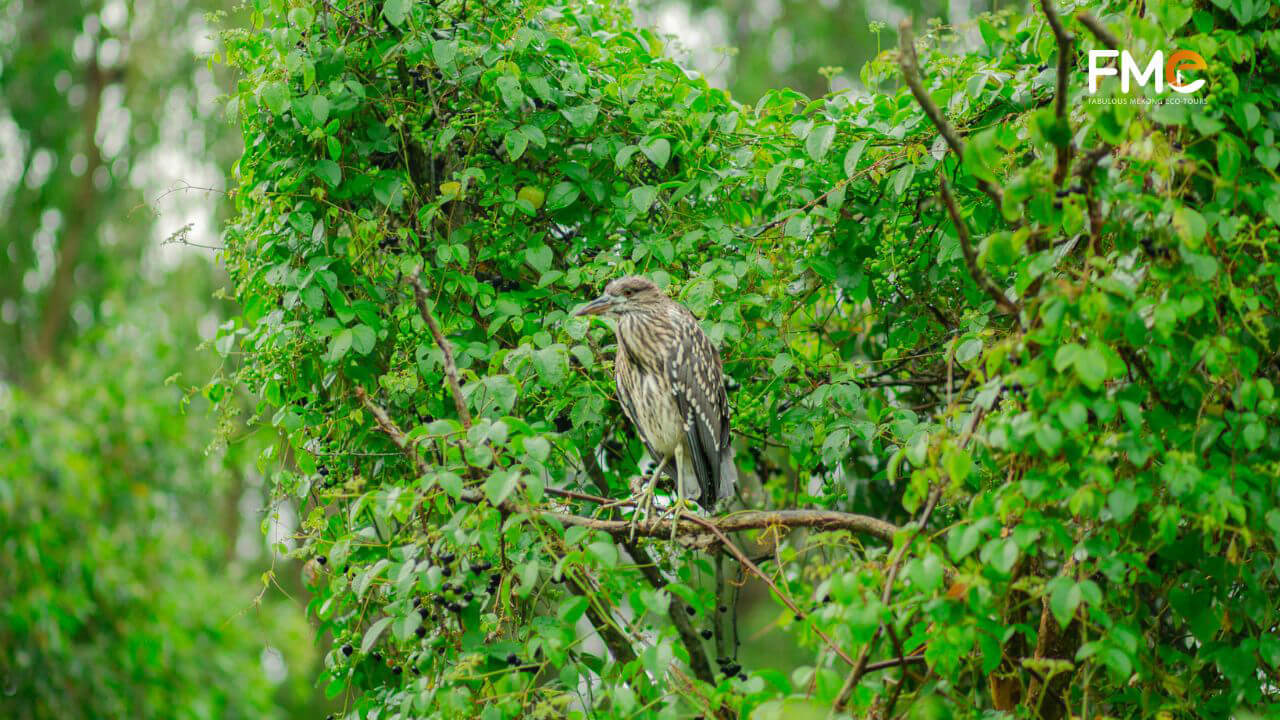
x=671, y=386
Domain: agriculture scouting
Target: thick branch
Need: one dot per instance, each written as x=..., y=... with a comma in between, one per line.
x=450, y=367
x=698, y=660
x=910, y=65
x=971, y=257
x=1099, y=31
x=693, y=532
x=1065, y=44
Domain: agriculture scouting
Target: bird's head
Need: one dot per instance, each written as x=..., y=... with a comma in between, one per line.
x=626, y=295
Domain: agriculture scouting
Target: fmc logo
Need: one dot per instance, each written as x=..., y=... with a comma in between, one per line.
x=1180, y=61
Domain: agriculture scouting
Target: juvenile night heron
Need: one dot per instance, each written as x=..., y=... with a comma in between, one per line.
x=671, y=386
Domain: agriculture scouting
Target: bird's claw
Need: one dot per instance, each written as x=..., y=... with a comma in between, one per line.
x=643, y=507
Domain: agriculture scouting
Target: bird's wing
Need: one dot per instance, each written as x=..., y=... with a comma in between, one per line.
x=693, y=366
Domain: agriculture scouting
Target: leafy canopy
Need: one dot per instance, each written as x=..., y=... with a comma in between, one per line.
x=1036, y=333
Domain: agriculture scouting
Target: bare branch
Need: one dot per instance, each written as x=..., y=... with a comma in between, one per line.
x=450, y=367
x=1066, y=43
x=746, y=520
x=910, y=65
x=971, y=257
x=1099, y=31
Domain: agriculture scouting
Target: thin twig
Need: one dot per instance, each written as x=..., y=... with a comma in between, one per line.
x=755, y=570
x=450, y=367
x=860, y=667
x=970, y=257
x=909, y=62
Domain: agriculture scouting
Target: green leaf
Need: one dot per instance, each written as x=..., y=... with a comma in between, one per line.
x=1091, y=367
x=444, y=52
x=373, y=633
x=642, y=197
x=605, y=552
x=498, y=486
x=512, y=95
x=339, y=345
x=395, y=11
x=539, y=258
x=562, y=195
x=1122, y=502
x=407, y=624
x=819, y=141
x=311, y=110
x=1064, y=600
x=363, y=339
x=852, y=157
x=515, y=142
x=658, y=150
x=276, y=97
x=581, y=117
x=328, y=171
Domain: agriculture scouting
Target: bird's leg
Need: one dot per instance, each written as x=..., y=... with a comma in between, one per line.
x=644, y=503
x=679, y=506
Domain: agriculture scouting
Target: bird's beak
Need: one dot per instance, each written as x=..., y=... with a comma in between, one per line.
x=599, y=306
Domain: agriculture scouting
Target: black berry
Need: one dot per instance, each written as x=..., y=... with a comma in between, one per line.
x=706, y=634
x=421, y=632
x=513, y=659
x=396, y=670
x=322, y=559
x=724, y=608
x=347, y=650
x=689, y=609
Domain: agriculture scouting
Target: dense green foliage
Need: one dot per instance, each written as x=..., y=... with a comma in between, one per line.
x=1086, y=399
x=130, y=552
x=124, y=595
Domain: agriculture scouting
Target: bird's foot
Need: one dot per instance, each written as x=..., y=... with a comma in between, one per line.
x=676, y=512
x=643, y=509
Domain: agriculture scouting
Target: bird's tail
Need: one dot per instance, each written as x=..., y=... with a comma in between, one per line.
x=728, y=485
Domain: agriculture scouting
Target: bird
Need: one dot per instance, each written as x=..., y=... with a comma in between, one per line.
x=670, y=383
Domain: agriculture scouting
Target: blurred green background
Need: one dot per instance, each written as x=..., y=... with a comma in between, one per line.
x=139, y=571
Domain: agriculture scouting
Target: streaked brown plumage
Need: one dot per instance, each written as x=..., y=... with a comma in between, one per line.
x=671, y=386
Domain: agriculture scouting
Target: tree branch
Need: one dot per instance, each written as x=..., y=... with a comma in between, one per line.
x=692, y=532
x=698, y=660
x=1099, y=31
x=450, y=367
x=971, y=257
x=1066, y=42
x=910, y=65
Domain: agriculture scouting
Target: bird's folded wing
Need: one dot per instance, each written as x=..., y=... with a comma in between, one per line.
x=693, y=366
